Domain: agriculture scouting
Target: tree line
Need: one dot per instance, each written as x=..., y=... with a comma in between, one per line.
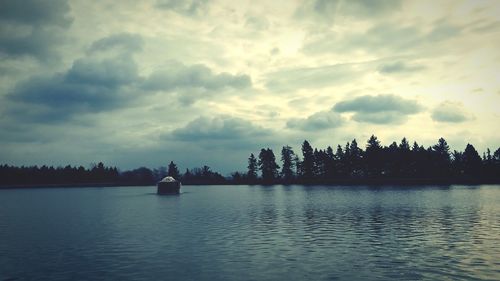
x=395, y=163
x=100, y=175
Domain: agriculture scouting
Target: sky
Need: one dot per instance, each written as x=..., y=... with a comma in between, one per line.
x=207, y=82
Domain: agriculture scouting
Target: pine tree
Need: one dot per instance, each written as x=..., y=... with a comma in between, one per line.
x=471, y=161
x=252, y=168
x=308, y=161
x=373, y=157
x=441, y=158
x=268, y=166
x=287, y=157
x=173, y=171
x=330, y=163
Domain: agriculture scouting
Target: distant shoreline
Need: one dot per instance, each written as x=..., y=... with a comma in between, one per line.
x=345, y=182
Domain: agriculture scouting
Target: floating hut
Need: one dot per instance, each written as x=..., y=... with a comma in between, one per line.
x=169, y=185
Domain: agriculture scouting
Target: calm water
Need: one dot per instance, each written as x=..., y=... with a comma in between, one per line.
x=251, y=233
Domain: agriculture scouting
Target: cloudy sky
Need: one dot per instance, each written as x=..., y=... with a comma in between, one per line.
x=140, y=83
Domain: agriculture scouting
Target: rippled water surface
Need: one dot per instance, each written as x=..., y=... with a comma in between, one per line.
x=251, y=233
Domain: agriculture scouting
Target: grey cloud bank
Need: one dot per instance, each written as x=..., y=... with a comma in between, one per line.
x=33, y=28
x=381, y=109
x=221, y=132
x=450, y=112
x=218, y=127
x=178, y=75
x=319, y=121
x=380, y=103
x=34, y=12
x=88, y=86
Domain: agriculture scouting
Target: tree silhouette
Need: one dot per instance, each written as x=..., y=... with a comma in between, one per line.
x=268, y=166
x=319, y=163
x=440, y=157
x=173, y=171
x=298, y=166
x=355, y=159
x=307, y=165
x=471, y=161
x=288, y=160
x=340, y=167
x=404, y=159
x=329, y=163
x=373, y=157
x=252, y=168
x=187, y=176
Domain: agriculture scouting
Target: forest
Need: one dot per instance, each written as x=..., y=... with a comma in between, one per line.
x=394, y=164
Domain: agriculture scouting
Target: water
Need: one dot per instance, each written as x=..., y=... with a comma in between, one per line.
x=251, y=233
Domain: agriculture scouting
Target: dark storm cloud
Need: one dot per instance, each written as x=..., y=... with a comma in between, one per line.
x=222, y=131
x=327, y=10
x=185, y=7
x=318, y=121
x=384, y=37
x=312, y=77
x=179, y=76
x=33, y=28
x=88, y=86
x=381, y=109
x=35, y=12
x=450, y=112
x=399, y=67
x=126, y=42
x=38, y=43
x=110, y=73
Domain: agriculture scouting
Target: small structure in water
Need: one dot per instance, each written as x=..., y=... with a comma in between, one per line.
x=169, y=185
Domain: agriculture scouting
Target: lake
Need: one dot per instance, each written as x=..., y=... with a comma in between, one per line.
x=251, y=233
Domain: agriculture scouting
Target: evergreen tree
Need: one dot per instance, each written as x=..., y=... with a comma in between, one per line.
x=418, y=155
x=441, y=158
x=268, y=166
x=404, y=145
x=330, y=163
x=404, y=158
x=307, y=161
x=340, y=168
x=287, y=157
x=187, y=175
x=346, y=160
x=298, y=166
x=320, y=163
x=457, y=163
x=471, y=161
x=373, y=157
x=173, y=171
x=355, y=160
x=252, y=168
x=391, y=168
